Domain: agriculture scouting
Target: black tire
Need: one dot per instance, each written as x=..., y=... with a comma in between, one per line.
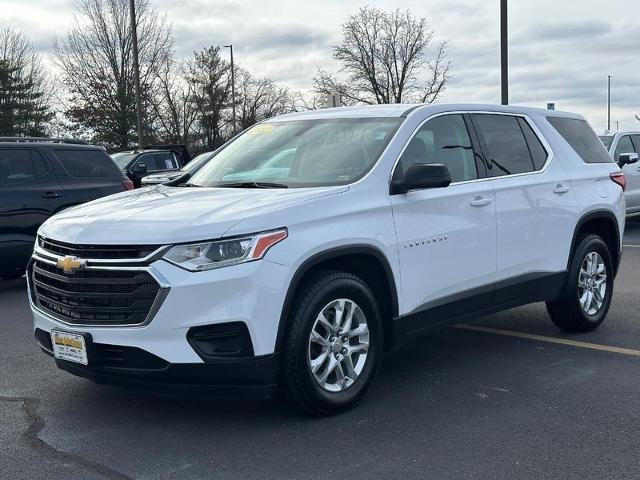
x=567, y=313
x=298, y=383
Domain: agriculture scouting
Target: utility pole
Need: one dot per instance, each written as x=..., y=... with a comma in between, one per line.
x=504, y=52
x=136, y=70
x=608, y=103
x=233, y=88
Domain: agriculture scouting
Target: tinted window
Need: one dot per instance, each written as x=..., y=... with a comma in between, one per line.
x=506, y=148
x=19, y=167
x=624, y=146
x=582, y=139
x=538, y=153
x=87, y=163
x=445, y=140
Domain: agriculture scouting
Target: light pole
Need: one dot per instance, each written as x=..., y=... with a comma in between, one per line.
x=136, y=70
x=504, y=52
x=608, y=103
x=233, y=88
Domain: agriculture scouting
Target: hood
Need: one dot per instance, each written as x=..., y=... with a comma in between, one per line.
x=163, y=215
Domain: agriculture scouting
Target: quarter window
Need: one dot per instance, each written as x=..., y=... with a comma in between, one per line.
x=624, y=146
x=506, y=148
x=87, y=163
x=581, y=137
x=444, y=140
x=636, y=143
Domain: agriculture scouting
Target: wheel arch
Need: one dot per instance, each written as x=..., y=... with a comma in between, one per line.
x=603, y=223
x=365, y=261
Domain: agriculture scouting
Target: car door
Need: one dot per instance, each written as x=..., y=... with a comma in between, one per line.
x=29, y=195
x=87, y=173
x=630, y=144
x=446, y=236
x=536, y=209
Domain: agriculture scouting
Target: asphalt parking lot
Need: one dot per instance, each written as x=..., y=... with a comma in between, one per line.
x=509, y=397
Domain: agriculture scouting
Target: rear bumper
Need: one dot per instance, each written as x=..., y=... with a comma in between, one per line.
x=249, y=377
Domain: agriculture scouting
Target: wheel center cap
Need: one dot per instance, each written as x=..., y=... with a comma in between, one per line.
x=336, y=346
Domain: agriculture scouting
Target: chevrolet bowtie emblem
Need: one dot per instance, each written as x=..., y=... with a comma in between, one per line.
x=70, y=264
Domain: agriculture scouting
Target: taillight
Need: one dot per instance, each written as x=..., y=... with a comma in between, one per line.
x=620, y=179
x=127, y=184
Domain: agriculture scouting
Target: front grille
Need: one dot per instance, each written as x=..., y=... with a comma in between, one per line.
x=107, y=252
x=93, y=297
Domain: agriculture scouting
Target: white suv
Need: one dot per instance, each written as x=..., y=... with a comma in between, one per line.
x=624, y=147
x=386, y=221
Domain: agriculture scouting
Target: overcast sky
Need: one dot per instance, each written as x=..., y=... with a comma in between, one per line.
x=561, y=50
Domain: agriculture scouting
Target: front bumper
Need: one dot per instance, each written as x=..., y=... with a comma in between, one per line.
x=252, y=294
x=251, y=377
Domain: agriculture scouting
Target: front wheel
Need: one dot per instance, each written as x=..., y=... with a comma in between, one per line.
x=334, y=344
x=589, y=288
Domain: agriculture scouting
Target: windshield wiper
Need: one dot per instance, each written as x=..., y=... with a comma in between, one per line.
x=253, y=185
x=188, y=185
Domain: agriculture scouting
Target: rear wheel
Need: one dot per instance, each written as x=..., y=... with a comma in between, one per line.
x=589, y=288
x=334, y=344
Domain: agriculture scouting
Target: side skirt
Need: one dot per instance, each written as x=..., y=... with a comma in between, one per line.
x=477, y=303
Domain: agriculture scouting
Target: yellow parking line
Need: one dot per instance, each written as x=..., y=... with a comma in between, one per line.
x=542, y=338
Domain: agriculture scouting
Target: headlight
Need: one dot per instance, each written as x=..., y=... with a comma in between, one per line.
x=196, y=257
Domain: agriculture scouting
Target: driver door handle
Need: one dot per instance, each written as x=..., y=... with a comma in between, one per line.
x=51, y=195
x=480, y=201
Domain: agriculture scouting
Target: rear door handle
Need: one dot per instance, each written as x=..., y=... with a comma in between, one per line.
x=560, y=189
x=480, y=202
x=51, y=195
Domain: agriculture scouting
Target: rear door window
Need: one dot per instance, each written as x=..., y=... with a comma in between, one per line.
x=624, y=146
x=538, y=153
x=636, y=143
x=505, y=146
x=581, y=137
x=20, y=167
x=165, y=161
x=87, y=163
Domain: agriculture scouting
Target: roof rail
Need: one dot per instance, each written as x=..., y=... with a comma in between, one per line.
x=44, y=140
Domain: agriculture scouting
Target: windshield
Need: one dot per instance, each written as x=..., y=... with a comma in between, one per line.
x=122, y=159
x=607, y=140
x=304, y=153
x=200, y=159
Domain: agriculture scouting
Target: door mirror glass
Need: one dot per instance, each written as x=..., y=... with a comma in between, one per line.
x=627, y=159
x=420, y=176
x=140, y=168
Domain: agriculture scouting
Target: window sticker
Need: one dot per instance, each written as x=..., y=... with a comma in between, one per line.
x=264, y=128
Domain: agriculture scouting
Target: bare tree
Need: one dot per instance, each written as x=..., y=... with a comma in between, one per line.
x=25, y=92
x=96, y=60
x=259, y=98
x=173, y=110
x=385, y=56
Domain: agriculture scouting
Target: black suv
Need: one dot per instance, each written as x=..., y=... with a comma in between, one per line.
x=38, y=178
x=152, y=159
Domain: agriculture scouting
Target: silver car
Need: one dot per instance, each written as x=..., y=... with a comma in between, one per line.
x=624, y=147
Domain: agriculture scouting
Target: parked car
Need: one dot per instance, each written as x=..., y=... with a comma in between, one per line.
x=192, y=167
x=624, y=147
x=40, y=177
x=388, y=221
x=138, y=164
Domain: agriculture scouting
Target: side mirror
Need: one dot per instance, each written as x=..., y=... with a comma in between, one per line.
x=140, y=168
x=627, y=159
x=420, y=176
